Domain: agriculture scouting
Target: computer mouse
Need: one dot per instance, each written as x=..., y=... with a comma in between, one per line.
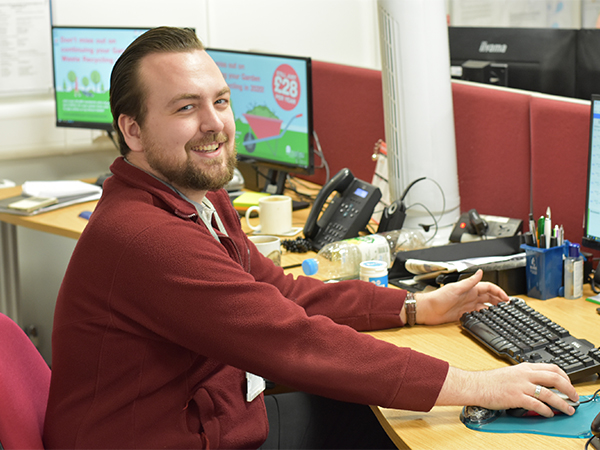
x=522, y=412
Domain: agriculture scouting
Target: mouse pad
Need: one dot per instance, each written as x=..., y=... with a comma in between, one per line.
x=561, y=425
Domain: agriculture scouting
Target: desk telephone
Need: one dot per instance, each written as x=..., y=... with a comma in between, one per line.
x=348, y=213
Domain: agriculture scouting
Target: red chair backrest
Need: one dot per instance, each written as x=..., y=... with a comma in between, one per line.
x=24, y=385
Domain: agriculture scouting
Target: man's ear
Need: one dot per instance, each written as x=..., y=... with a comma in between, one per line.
x=131, y=132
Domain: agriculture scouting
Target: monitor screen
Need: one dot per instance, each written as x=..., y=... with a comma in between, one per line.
x=83, y=58
x=271, y=98
x=591, y=232
x=534, y=59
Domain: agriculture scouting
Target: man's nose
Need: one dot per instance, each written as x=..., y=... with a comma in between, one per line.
x=211, y=121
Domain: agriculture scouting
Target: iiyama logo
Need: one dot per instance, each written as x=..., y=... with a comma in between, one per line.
x=484, y=47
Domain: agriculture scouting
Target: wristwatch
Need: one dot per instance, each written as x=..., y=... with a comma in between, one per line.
x=410, y=304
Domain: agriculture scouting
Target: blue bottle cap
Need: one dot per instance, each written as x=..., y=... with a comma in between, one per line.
x=574, y=250
x=310, y=266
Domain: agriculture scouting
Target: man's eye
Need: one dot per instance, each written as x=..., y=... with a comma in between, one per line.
x=186, y=108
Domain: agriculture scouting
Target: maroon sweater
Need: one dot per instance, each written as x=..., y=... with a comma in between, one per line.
x=157, y=322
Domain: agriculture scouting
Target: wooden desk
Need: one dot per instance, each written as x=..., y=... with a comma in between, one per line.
x=441, y=427
x=62, y=222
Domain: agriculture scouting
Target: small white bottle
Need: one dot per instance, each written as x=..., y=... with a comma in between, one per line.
x=375, y=272
x=573, y=273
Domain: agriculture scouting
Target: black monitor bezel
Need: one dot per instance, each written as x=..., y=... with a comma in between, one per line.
x=588, y=240
x=272, y=164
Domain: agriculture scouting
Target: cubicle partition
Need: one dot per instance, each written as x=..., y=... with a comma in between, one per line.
x=515, y=149
x=347, y=117
x=492, y=150
x=559, y=157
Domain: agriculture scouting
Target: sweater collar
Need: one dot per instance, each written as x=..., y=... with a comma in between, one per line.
x=138, y=178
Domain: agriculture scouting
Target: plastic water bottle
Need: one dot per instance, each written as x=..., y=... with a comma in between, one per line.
x=341, y=260
x=573, y=273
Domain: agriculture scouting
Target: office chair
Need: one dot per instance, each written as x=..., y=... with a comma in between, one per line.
x=24, y=385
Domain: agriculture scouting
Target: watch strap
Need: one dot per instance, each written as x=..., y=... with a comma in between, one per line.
x=410, y=305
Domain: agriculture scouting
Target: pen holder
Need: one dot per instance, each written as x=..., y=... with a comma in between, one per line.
x=544, y=271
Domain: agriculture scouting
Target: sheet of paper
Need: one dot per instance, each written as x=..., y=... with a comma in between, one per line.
x=25, y=59
x=59, y=189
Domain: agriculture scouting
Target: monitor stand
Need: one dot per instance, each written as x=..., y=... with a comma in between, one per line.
x=276, y=185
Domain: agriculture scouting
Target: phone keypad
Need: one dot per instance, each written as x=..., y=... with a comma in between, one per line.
x=348, y=210
x=333, y=232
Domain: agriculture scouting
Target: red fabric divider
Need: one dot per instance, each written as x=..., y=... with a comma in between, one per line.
x=559, y=156
x=347, y=117
x=492, y=150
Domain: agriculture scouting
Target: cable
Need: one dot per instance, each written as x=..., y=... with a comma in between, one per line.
x=298, y=245
x=589, y=441
x=112, y=138
x=435, y=222
x=319, y=152
x=591, y=398
x=593, y=282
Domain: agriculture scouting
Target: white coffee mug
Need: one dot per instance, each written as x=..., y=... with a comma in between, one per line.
x=269, y=246
x=275, y=213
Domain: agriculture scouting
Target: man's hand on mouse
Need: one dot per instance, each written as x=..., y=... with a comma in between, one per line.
x=510, y=387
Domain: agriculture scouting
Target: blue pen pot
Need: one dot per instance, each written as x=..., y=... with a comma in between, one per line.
x=544, y=270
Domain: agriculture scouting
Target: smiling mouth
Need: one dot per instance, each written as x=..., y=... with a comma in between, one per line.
x=208, y=148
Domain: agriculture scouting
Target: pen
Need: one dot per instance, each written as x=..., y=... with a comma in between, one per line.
x=542, y=241
x=540, y=230
x=561, y=235
x=532, y=230
x=556, y=234
x=548, y=227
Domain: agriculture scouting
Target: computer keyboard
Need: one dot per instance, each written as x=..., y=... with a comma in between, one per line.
x=518, y=333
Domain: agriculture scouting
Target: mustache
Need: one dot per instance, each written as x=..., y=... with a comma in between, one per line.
x=220, y=138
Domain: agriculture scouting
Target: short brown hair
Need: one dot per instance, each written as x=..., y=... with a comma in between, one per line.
x=127, y=95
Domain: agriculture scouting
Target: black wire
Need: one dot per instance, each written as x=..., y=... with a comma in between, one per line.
x=593, y=283
x=592, y=397
x=589, y=441
x=112, y=138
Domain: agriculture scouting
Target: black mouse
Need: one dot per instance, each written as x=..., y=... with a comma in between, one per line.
x=522, y=412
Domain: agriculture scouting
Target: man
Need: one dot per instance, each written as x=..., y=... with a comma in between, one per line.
x=166, y=308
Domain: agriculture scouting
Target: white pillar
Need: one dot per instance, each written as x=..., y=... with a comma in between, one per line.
x=419, y=121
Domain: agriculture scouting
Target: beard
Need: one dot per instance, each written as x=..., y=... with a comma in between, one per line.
x=187, y=174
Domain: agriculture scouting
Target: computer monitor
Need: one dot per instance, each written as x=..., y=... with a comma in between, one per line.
x=83, y=58
x=591, y=231
x=534, y=59
x=271, y=98
x=588, y=63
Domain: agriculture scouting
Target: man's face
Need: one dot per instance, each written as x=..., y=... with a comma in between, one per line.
x=188, y=137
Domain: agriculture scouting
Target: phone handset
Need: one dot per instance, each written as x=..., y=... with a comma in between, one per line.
x=347, y=214
x=338, y=183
